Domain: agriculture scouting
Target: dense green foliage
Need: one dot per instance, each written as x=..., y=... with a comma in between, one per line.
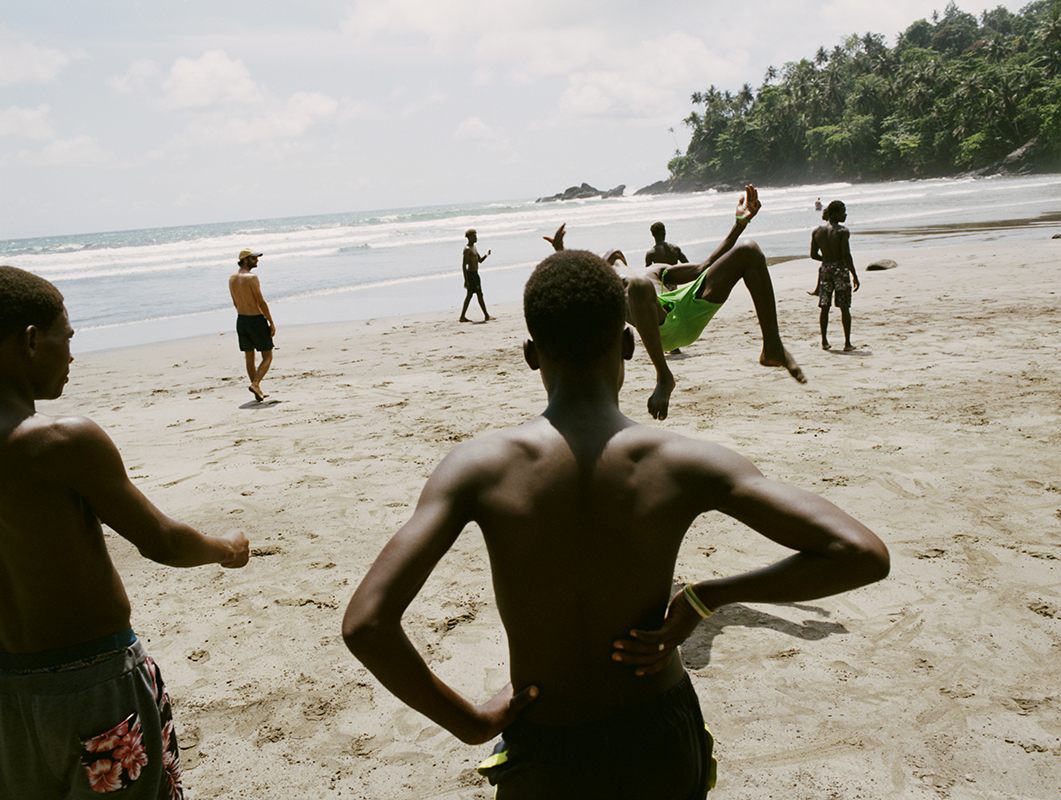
x=954, y=94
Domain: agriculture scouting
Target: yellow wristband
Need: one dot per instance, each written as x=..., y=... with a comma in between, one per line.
x=696, y=602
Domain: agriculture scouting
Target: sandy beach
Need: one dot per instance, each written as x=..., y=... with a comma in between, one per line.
x=941, y=432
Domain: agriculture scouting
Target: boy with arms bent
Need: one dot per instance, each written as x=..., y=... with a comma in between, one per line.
x=82, y=707
x=582, y=512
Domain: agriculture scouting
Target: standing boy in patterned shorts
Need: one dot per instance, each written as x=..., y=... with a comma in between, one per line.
x=830, y=244
x=83, y=709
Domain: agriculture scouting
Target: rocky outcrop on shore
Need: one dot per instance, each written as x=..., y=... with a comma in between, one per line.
x=670, y=185
x=583, y=192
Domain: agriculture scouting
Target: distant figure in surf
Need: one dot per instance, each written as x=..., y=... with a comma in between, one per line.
x=830, y=244
x=472, y=283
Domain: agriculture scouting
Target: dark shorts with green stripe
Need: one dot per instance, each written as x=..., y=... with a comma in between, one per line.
x=659, y=750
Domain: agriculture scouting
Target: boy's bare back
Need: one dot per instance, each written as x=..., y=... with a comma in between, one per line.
x=568, y=515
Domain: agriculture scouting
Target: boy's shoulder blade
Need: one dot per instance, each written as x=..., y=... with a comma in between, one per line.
x=45, y=434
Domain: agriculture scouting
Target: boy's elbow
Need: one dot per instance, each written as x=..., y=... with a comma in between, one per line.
x=869, y=559
x=361, y=631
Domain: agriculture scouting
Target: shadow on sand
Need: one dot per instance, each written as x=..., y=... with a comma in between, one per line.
x=258, y=405
x=696, y=651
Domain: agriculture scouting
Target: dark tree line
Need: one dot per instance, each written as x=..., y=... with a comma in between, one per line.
x=955, y=94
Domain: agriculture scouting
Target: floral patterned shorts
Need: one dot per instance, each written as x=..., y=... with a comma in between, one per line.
x=83, y=730
x=835, y=279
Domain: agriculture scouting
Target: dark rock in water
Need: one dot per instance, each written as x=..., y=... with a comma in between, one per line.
x=883, y=263
x=679, y=185
x=583, y=192
x=1056, y=236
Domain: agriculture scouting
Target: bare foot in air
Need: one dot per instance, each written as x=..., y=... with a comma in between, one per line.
x=258, y=394
x=785, y=360
x=826, y=345
x=659, y=402
x=464, y=319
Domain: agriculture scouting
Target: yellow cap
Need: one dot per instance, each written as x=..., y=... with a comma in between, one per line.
x=247, y=254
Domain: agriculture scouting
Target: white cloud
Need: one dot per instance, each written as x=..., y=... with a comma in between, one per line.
x=75, y=151
x=211, y=80
x=474, y=129
x=650, y=81
x=301, y=112
x=22, y=61
x=26, y=123
x=138, y=77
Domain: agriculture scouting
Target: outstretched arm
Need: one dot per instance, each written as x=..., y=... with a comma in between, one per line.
x=835, y=552
x=482, y=258
x=87, y=460
x=557, y=239
x=747, y=207
x=372, y=626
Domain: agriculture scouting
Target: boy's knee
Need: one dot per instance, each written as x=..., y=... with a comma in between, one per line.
x=640, y=288
x=751, y=249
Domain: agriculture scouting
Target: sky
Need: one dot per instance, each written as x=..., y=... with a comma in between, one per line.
x=120, y=114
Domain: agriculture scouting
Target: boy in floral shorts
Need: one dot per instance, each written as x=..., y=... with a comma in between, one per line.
x=831, y=244
x=83, y=709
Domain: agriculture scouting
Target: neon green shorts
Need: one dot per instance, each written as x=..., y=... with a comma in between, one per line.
x=687, y=314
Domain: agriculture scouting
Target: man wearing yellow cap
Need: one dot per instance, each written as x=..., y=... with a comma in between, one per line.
x=254, y=323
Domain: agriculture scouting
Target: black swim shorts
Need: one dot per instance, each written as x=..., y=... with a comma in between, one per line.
x=659, y=750
x=253, y=331
x=472, y=283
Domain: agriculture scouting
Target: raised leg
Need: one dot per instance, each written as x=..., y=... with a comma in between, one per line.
x=746, y=262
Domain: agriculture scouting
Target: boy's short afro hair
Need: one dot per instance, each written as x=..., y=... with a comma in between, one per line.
x=26, y=299
x=834, y=209
x=575, y=306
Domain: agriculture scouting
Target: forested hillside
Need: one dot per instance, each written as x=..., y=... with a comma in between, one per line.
x=955, y=94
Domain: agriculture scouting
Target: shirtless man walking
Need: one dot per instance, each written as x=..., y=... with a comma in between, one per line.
x=667, y=320
x=583, y=512
x=831, y=244
x=473, y=284
x=254, y=323
x=82, y=706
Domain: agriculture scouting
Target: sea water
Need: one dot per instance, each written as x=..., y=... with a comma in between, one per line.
x=131, y=287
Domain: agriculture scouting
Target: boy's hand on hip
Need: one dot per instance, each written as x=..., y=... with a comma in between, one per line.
x=648, y=652
x=499, y=712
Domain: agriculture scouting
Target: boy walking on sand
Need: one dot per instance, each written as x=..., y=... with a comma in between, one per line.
x=83, y=708
x=254, y=322
x=473, y=283
x=582, y=512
